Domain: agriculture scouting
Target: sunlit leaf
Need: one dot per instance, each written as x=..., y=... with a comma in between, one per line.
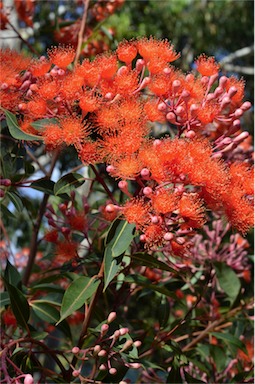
x=79, y=292
x=228, y=280
x=68, y=183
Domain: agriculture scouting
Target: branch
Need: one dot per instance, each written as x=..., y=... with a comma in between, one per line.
x=37, y=225
x=239, y=53
x=81, y=32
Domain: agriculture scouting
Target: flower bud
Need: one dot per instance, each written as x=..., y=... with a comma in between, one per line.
x=176, y=85
x=102, y=353
x=127, y=345
x=112, y=371
x=223, y=81
x=97, y=349
x=102, y=367
x=5, y=182
x=112, y=316
x=232, y=91
x=171, y=117
x=238, y=112
x=145, y=173
x=245, y=106
x=123, y=331
x=139, y=64
x=104, y=329
x=75, y=350
x=76, y=373
x=28, y=379
x=190, y=134
x=137, y=343
x=168, y=236
x=147, y=191
x=135, y=365
x=162, y=106
x=241, y=137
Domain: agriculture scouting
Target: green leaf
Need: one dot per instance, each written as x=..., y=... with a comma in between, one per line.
x=111, y=267
x=19, y=304
x=119, y=237
x=16, y=200
x=47, y=312
x=191, y=379
x=12, y=276
x=78, y=292
x=144, y=282
x=230, y=339
x=5, y=212
x=228, y=281
x=15, y=130
x=42, y=123
x=150, y=261
x=44, y=185
x=68, y=183
x=4, y=299
x=163, y=312
x=174, y=376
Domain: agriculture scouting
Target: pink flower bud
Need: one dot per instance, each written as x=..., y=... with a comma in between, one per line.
x=168, y=236
x=137, y=343
x=76, y=373
x=156, y=142
x=147, y=191
x=180, y=240
x=204, y=80
x=123, y=331
x=241, y=137
x=185, y=95
x=112, y=316
x=102, y=353
x=223, y=81
x=179, y=111
x=245, y=106
x=61, y=72
x=109, y=95
x=5, y=182
x=232, y=91
x=190, y=134
x=110, y=169
x=189, y=78
x=162, y=106
x=97, y=349
x=167, y=71
x=122, y=70
x=4, y=86
x=154, y=219
x=102, y=367
x=75, y=350
x=218, y=91
x=139, y=64
x=225, y=101
x=104, y=329
x=110, y=208
x=171, y=117
x=193, y=110
x=112, y=371
x=116, y=334
x=2, y=193
x=28, y=379
x=145, y=173
x=123, y=185
x=143, y=238
x=176, y=85
x=135, y=365
x=239, y=112
x=127, y=345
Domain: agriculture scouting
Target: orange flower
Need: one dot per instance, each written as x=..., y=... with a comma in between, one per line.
x=243, y=175
x=107, y=65
x=164, y=201
x=207, y=113
x=88, y=103
x=127, y=51
x=152, y=112
x=51, y=236
x=232, y=81
x=207, y=65
x=127, y=167
x=136, y=211
x=78, y=222
x=154, y=234
x=37, y=108
x=152, y=49
x=39, y=67
x=73, y=130
x=192, y=210
x=66, y=251
x=61, y=56
x=126, y=82
x=88, y=152
x=53, y=136
x=48, y=88
x=159, y=84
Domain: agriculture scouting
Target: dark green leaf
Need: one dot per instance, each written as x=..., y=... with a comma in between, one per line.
x=163, y=312
x=144, y=282
x=16, y=200
x=44, y=185
x=5, y=212
x=12, y=275
x=231, y=339
x=150, y=261
x=228, y=281
x=77, y=294
x=15, y=130
x=174, y=376
x=47, y=312
x=111, y=267
x=4, y=299
x=19, y=305
x=119, y=237
x=68, y=183
x=191, y=379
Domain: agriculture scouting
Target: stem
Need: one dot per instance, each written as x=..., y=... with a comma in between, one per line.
x=23, y=40
x=102, y=182
x=37, y=225
x=89, y=315
x=81, y=31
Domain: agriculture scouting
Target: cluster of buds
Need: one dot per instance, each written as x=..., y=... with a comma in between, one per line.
x=109, y=350
x=4, y=185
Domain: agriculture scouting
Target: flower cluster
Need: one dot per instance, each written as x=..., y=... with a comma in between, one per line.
x=106, y=108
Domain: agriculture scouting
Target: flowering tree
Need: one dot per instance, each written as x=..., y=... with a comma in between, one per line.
x=134, y=266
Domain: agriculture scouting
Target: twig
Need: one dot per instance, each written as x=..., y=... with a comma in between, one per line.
x=81, y=31
x=34, y=240
x=102, y=182
x=23, y=40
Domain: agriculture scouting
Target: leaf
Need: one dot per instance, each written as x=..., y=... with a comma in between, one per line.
x=151, y=262
x=4, y=299
x=119, y=237
x=111, y=267
x=163, y=312
x=42, y=123
x=15, y=130
x=19, y=305
x=11, y=275
x=174, y=376
x=44, y=185
x=78, y=292
x=231, y=339
x=144, y=282
x=228, y=281
x=16, y=200
x=191, y=379
x=47, y=312
x=68, y=183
